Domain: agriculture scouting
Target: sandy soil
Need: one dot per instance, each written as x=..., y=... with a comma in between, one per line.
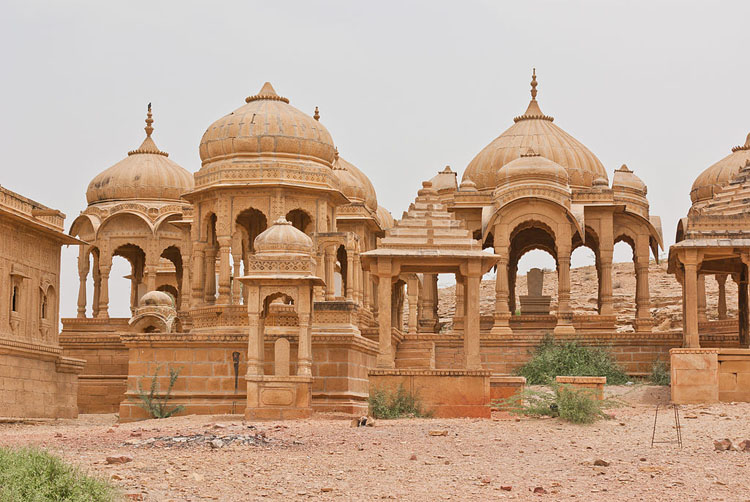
x=325, y=459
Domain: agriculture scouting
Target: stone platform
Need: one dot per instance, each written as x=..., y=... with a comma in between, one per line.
x=446, y=393
x=710, y=375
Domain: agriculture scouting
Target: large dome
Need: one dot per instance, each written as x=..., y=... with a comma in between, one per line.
x=354, y=184
x=145, y=174
x=267, y=127
x=535, y=130
x=718, y=175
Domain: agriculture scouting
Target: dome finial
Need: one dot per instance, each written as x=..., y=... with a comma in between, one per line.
x=336, y=153
x=316, y=115
x=746, y=146
x=149, y=121
x=533, y=84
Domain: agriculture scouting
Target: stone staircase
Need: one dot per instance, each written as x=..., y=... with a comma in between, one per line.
x=415, y=354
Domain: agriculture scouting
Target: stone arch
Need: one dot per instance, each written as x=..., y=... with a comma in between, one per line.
x=251, y=222
x=85, y=227
x=340, y=273
x=301, y=220
x=269, y=298
x=125, y=223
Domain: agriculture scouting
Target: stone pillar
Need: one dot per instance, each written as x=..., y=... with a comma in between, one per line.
x=742, y=300
x=702, y=317
x=606, y=300
x=83, y=272
x=97, y=276
x=210, y=279
x=133, y=293
x=225, y=273
x=471, y=321
x=104, y=269
x=564, y=312
x=366, y=289
x=357, y=283
x=330, y=260
x=151, y=276
x=185, y=289
x=721, y=279
x=304, y=347
x=413, y=292
x=501, y=324
x=199, y=267
x=460, y=306
x=385, y=353
x=255, y=342
x=429, y=300
x=236, y=284
x=642, y=298
x=690, y=321
x=348, y=292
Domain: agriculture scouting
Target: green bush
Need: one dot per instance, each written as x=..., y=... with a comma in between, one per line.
x=32, y=475
x=659, y=373
x=157, y=407
x=579, y=406
x=389, y=404
x=553, y=359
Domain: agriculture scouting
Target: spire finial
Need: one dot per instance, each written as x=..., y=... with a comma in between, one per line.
x=533, y=84
x=149, y=121
x=336, y=153
x=316, y=116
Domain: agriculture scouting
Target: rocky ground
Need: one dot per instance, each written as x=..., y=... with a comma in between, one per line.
x=199, y=458
x=666, y=295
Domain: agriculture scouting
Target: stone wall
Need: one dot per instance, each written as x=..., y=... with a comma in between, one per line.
x=35, y=387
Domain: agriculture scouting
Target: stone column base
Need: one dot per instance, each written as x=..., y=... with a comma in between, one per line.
x=501, y=327
x=272, y=397
x=643, y=325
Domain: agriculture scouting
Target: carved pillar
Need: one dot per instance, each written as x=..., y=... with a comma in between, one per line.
x=304, y=350
x=133, y=293
x=721, y=279
x=199, y=267
x=225, y=273
x=501, y=325
x=702, y=317
x=742, y=301
x=642, y=298
x=413, y=289
x=460, y=309
x=330, y=261
x=255, y=342
x=606, y=300
x=690, y=321
x=357, y=283
x=385, y=352
x=236, y=284
x=185, y=289
x=104, y=269
x=366, y=289
x=83, y=272
x=471, y=320
x=349, y=292
x=97, y=276
x=210, y=277
x=429, y=301
x=151, y=275
x=564, y=312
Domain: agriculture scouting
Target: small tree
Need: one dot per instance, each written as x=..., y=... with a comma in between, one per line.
x=157, y=407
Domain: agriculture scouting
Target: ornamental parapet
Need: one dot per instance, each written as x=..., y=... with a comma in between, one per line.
x=266, y=172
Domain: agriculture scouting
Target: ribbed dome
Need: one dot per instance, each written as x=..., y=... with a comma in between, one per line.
x=535, y=130
x=529, y=167
x=354, y=184
x=156, y=299
x=282, y=238
x=718, y=175
x=384, y=218
x=145, y=174
x=267, y=126
x=625, y=179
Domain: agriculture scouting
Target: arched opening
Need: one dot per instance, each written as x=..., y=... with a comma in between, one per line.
x=300, y=220
x=538, y=259
x=173, y=287
x=529, y=236
x=14, y=299
x=623, y=280
x=251, y=222
x=128, y=263
x=340, y=271
x=585, y=283
x=280, y=321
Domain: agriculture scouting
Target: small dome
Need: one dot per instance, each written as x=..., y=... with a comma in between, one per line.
x=145, y=174
x=283, y=238
x=720, y=174
x=536, y=130
x=156, y=299
x=626, y=179
x=354, y=184
x=384, y=218
x=267, y=126
x=531, y=167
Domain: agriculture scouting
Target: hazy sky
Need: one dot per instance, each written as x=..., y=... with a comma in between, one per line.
x=405, y=88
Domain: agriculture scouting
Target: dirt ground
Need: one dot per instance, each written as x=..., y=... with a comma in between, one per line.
x=327, y=459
